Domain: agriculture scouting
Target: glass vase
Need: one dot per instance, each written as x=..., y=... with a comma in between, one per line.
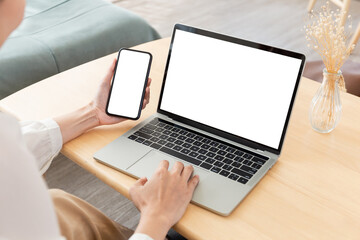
x=325, y=108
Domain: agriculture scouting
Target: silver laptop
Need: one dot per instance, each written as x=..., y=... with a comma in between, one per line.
x=224, y=107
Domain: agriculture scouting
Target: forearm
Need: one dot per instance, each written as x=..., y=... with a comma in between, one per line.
x=78, y=122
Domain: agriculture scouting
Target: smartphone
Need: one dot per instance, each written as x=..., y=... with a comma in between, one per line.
x=129, y=83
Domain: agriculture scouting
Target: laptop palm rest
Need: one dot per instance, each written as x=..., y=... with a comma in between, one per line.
x=211, y=189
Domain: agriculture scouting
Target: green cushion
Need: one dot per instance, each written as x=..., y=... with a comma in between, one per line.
x=60, y=34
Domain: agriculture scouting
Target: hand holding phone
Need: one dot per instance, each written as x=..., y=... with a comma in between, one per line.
x=129, y=83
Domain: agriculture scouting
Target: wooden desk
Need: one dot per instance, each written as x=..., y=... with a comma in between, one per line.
x=313, y=192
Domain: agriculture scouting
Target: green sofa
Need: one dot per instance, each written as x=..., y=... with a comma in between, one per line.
x=60, y=34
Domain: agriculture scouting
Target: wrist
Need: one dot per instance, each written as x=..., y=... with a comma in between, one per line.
x=155, y=226
x=93, y=111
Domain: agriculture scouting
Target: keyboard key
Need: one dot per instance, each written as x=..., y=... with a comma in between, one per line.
x=241, y=173
x=146, y=130
x=194, y=148
x=218, y=164
x=161, y=142
x=181, y=137
x=210, y=160
x=169, y=145
x=230, y=155
x=213, y=149
x=202, y=151
x=163, y=137
x=182, y=132
x=227, y=167
x=140, y=140
x=258, y=160
x=219, y=158
x=197, y=143
x=238, y=159
x=186, y=145
x=132, y=137
x=210, y=154
x=205, y=165
x=156, y=134
x=224, y=173
x=193, y=154
x=201, y=157
x=230, y=150
x=256, y=166
x=247, y=156
x=185, y=151
x=214, y=144
x=177, y=148
x=221, y=152
x=215, y=169
x=236, y=164
x=154, y=139
x=239, y=153
x=168, y=127
x=181, y=156
x=243, y=180
x=190, y=135
x=174, y=135
x=206, y=141
x=222, y=147
x=198, y=138
x=159, y=129
x=248, y=169
x=233, y=176
x=147, y=143
x=205, y=146
x=175, y=130
x=167, y=132
x=247, y=162
x=178, y=142
x=143, y=135
x=189, y=140
x=228, y=161
x=160, y=124
x=171, y=139
x=155, y=145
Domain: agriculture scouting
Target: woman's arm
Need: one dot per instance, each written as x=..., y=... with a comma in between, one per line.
x=92, y=115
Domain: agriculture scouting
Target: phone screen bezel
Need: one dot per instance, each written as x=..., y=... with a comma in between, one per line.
x=144, y=88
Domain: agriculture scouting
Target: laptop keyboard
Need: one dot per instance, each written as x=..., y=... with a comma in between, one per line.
x=219, y=157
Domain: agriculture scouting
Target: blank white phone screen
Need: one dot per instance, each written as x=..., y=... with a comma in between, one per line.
x=237, y=89
x=128, y=84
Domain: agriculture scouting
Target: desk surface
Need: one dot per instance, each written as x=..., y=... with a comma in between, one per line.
x=312, y=192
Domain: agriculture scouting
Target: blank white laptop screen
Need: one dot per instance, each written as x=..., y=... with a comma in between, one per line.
x=238, y=89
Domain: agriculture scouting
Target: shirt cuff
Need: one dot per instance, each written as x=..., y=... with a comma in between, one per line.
x=140, y=236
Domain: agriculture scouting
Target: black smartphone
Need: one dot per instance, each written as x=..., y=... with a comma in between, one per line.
x=129, y=83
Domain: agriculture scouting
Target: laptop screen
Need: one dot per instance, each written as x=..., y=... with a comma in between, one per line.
x=238, y=89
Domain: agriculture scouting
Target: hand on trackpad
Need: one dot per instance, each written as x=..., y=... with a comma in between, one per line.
x=163, y=198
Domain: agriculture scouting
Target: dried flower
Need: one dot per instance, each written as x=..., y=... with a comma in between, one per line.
x=327, y=37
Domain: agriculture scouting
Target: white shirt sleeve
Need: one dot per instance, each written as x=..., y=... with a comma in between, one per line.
x=43, y=139
x=26, y=210
x=140, y=236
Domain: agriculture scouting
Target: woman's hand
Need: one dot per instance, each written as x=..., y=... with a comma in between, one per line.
x=163, y=199
x=99, y=103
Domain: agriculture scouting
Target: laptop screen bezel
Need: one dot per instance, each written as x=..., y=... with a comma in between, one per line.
x=223, y=134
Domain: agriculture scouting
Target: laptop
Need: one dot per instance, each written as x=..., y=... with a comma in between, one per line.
x=224, y=107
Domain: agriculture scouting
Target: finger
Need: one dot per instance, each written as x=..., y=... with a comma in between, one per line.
x=177, y=168
x=188, y=170
x=149, y=82
x=140, y=182
x=110, y=72
x=193, y=182
x=164, y=164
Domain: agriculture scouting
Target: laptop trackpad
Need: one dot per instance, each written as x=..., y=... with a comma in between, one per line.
x=147, y=165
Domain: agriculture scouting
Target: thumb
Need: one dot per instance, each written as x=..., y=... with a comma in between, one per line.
x=140, y=182
x=110, y=73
